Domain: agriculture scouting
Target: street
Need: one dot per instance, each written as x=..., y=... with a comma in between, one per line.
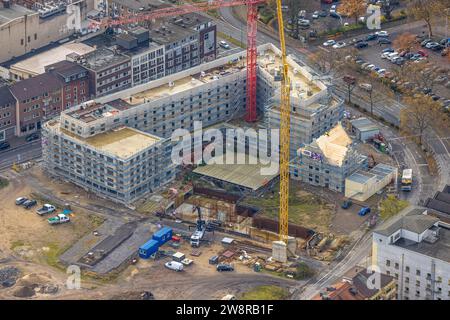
x=22, y=153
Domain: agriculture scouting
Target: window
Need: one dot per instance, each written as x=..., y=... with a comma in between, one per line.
x=417, y=272
x=407, y=269
x=388, y=263
x=396, y=265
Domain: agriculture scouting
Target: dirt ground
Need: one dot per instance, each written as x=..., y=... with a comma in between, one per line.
x=30, y=244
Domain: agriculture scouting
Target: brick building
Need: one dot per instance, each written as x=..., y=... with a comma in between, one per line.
x=37, y=99
x=74, y=80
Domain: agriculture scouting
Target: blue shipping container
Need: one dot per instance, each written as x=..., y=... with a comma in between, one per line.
x=149, y=248
x=163, y=235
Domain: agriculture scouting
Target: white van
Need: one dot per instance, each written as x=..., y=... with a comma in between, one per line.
x=173, y=265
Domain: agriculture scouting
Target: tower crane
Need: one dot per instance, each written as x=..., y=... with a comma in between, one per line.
x=252, y=12
x=285, y=124
x=252, y=15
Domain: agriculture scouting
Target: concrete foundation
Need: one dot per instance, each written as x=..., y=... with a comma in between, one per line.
x=292, y=246
x=279, y=251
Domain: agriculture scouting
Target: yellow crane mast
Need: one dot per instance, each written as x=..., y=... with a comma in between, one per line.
x=285, y=124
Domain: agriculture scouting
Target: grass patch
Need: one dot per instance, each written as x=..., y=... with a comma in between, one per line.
x=17, y=243
x=3, y=183
x=266, y=15
x=231, y=40
x=390, y=206
x=266, y=293
x=51, y=256
x=95, y=220
x=303, y=272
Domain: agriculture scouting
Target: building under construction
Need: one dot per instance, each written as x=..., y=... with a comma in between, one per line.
x=213, y=92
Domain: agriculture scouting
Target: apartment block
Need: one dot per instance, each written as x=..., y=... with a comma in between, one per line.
x=213, y=93
x=37, y=99
x=109, y=70
x=413, y=248
x=328, y=160
x=313, y=110
x=7, y=114
x=74, y=81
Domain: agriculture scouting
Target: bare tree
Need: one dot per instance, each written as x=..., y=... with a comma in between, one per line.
x=419, y=115
x=427, y=10
x=405, y=41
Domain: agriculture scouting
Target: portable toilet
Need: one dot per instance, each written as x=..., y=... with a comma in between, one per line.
x=148, y=248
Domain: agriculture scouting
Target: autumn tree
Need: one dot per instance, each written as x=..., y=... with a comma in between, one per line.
x=405, y=41
x=386, y=8
x=428, y=11
x=421, y=75
x=419, y=115
x=353, y=8
x=330, y=62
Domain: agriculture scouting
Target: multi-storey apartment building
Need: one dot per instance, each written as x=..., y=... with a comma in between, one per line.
x=313, y=110
x=74, y=80
x=37, y=99
x=7, y=113
x=414, y=248
x=328, y=160
x=188, y=40
x=212, y=93
x=109, y=70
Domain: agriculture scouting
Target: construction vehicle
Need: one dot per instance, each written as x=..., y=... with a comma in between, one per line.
x=60, y=218
x=46, y=209
x=200, y=230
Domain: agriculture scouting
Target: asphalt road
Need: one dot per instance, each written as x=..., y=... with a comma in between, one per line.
x=25, y=152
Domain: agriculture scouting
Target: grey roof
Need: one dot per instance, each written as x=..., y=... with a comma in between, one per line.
x=169, y=33
x=411, y=219
x=446, y=189
x=103, y=58
x=34, y=87
x=378, y=172
x=6, y=96
x=439, y=249
x=66, y=68
x=364, y=124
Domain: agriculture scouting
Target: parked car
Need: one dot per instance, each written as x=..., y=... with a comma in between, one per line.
x=4, y=145
x=224, y=267
x=384, y=41
x=304, y=22
x=423, y=53
x=329, y=43
x=424, y=42
x=431, y=44
x=388, y=50
x=315, y=15
x=399, y=61
x=371, y=37
x=346, y=204
x=20, y=200
x=437, y=47
x=224, y=45
x=333, y=8
x=362, y=44
x=323, y=13
x=29, y=203
x=32, y=137
x=364, y=211
x=382, y=33
x=174, y=265
x=339, y=45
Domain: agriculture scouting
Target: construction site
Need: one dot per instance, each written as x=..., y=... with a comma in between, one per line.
x=133, y=214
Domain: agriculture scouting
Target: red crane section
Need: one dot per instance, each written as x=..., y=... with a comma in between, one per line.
x=252, y=15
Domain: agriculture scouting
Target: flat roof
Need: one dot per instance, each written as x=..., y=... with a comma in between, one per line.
x=101, y=58
x=364, y=124
x=245, y=175
x=378, y=172
x=14, y=12
x=439, y=249
x=37, y=63
x=184, y=84
x=123, y=142
x=271, y=62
